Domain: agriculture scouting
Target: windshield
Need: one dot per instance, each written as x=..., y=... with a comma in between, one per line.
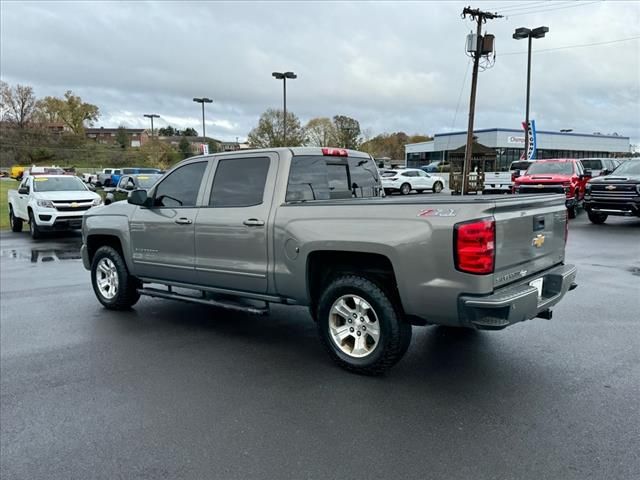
x=58, y=184
x=562, y=168
x=147, y=181
x=520, y=165
x=630, y=167
x=594, y=164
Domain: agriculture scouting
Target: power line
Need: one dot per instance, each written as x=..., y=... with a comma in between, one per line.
x=573, y=5
x=581, y=45
x=530, y=6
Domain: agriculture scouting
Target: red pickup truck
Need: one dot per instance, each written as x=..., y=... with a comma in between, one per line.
x=562, y=175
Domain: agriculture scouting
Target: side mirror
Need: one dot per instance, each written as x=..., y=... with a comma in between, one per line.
x=91, y=187
x=138, y=197
x=23, y=190
x=128, y=187
x=588, y=173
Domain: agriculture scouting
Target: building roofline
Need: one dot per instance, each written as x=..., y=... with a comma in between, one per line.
x=546, y=132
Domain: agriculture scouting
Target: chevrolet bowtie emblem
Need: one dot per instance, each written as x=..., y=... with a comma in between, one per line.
x=539, y=185
x=610, y=187
x=538, y=241
x=74, y=205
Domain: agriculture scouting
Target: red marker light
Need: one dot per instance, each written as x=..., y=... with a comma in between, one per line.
x=335, y=152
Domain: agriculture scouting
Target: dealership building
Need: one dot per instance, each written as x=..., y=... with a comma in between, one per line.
x=508, y=145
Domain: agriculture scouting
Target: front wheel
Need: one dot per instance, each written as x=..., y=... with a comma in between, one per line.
x=15, y=222
x=405, y=189
x=33, y=227
x=112, y=284
x=437, y=187
x=361, y=325
x=597, y=218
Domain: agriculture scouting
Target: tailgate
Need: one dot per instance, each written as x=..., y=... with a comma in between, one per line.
x=530, y=235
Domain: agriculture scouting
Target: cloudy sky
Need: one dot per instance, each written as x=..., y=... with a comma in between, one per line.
x=394, y=66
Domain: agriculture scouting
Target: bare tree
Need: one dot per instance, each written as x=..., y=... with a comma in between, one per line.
x=18, y=104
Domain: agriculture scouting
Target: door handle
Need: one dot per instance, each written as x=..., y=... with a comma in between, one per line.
x=253, y=222
x=183, y=221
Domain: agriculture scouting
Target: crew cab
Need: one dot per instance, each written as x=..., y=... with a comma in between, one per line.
x=615, y=194
x=309, y=226
x=50, y=202
x=565, y=176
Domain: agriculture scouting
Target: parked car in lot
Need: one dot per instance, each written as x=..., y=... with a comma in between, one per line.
x=497, y=182
x=115, y=176
x=437, y=166
x=600, y=166
x=564, y=176
x=407, y=179
x=50, y=202
x=129, y=183
x=103, y=178
x=615, y=194
x=308, y=226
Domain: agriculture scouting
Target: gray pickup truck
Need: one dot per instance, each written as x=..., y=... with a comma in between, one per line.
x=311, y=227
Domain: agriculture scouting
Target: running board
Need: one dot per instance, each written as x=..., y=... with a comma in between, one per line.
x=205, y=300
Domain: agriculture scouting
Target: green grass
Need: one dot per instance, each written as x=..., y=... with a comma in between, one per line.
x=5, y=185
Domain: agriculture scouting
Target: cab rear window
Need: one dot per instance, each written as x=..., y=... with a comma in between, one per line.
x=314, y=177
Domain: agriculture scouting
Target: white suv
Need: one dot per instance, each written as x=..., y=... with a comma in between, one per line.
x=407, y=179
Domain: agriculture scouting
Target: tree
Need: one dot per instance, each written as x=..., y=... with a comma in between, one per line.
x=185, y=147
x=390, y=145
x=17, y=104
x=270, y=131
x=320, y=132
x=188, y=132
x=348, y=131
x=70, y=110
x=122, y=137
x=168, y=131
x=213, y=146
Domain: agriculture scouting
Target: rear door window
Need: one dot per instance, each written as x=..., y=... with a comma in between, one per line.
x=239, y=182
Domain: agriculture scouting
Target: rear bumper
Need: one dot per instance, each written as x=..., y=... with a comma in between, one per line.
x=517, y=303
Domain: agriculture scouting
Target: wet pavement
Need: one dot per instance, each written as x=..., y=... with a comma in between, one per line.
x=171, y=390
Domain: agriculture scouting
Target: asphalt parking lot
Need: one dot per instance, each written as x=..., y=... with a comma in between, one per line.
x=171, y=390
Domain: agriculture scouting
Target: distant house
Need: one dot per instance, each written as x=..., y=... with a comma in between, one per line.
x=109, y=136
x=194, y=142
x=232, y=146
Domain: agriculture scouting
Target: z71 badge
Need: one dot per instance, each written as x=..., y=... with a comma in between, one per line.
x=438, y=212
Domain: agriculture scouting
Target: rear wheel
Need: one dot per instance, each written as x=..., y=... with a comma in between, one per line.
x=437, y=187
x=112, y=284
x=33, y=227
x=15, y=222
x=405, y=189
x=361, y=325
x=597, y=218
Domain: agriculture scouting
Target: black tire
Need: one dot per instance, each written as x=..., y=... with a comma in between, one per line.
x=127, y=287
x=15, y=222
x=597, y=218
x=405, y=189
x=437, y=187
x=388, y=191
x=395, y=334
x=33, y=227
x=572, y=211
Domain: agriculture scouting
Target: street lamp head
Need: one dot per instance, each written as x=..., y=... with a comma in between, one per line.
x=521, y=33
x=207, y=100
x=290, y=75
x=277, y=75
x=151, y=115
x=539, y=32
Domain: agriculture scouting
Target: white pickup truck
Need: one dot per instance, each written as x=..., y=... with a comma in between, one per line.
x=50, y=202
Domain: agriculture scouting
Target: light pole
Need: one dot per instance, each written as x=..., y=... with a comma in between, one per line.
x=202, y=101
x=283, y=76
x=152, y=116
x=520, y=34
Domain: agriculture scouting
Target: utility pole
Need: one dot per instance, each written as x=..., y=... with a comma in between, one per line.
x=283, y=76
x=151, y=116
x=479, y=17
x=202, y=101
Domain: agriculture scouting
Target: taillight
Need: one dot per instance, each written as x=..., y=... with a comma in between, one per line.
x=335, y=152
x=474, y=246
